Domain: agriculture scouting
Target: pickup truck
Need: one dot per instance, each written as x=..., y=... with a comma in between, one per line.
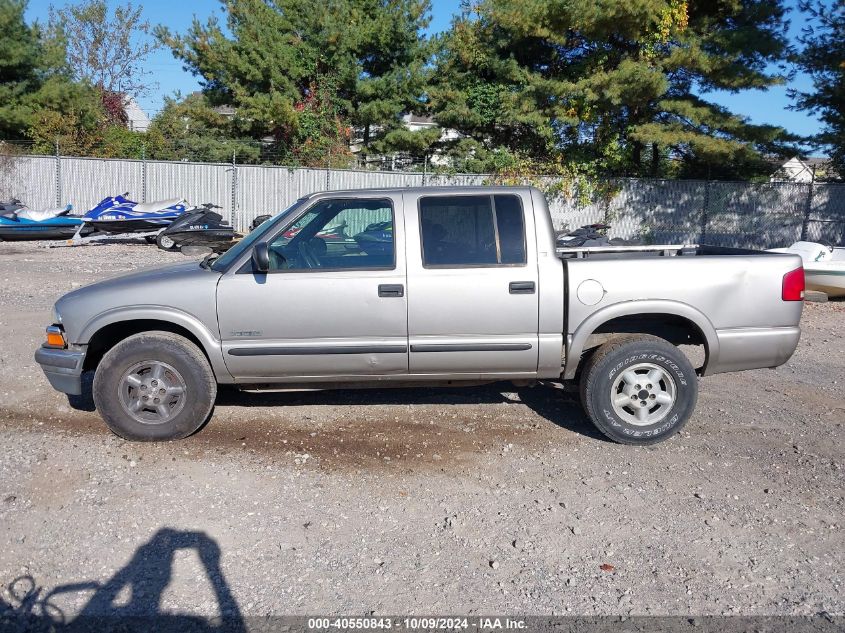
x=429, y=286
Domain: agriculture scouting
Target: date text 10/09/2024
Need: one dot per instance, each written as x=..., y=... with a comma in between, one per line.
x=418, y=623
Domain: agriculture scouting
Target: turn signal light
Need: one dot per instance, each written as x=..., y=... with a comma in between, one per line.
x=55, y=337
x=793, y=285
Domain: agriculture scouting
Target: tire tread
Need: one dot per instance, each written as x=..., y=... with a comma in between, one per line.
x=590, y=375
x=175, y=344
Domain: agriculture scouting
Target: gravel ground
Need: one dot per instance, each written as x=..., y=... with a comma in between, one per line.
x=467, y=501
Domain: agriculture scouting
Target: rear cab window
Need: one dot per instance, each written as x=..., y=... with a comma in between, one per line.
x=472, y=231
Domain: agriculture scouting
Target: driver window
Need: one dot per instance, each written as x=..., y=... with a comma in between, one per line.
x=353, y=233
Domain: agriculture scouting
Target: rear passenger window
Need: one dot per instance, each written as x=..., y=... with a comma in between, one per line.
x=472, y=230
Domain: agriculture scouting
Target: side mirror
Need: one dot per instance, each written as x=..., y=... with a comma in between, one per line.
x=261, y=257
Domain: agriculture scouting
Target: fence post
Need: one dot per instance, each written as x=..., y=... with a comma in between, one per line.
x=143, y=172
x=805, y=223
x=328, y=178
x=703, y=227
x=58, y=176
x=425, y=170
x=235, y=219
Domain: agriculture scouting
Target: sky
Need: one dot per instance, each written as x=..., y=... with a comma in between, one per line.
x=761, y=107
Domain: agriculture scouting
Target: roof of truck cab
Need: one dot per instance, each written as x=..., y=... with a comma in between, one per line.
x=456, y=189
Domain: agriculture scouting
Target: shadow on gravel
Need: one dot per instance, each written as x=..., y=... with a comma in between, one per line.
x=562, y=409
x=84, y=401
x=143, y=581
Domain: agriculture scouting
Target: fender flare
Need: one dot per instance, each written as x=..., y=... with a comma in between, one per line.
x=578, y=339
x=211, y=345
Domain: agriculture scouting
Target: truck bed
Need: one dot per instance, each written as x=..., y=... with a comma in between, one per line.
x=732, y=296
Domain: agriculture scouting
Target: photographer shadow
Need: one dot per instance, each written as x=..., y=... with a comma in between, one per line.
x=143, y=581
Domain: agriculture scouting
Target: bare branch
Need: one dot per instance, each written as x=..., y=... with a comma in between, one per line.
x=108, y=50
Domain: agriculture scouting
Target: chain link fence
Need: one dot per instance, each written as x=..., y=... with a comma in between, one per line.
x=738, y=214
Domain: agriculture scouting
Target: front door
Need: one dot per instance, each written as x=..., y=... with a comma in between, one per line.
x=472, y=285
x=333, y=303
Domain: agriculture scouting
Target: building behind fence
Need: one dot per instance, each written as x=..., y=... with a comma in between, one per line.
x=738, y=214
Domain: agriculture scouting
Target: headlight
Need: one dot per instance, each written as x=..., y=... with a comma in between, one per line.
x=57, y=318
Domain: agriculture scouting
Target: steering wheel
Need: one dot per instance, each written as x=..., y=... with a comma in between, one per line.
x=307, y=255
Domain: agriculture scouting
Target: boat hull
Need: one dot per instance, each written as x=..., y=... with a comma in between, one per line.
x=831, y=282
x=116, y=227
x=219, y=240
x=40, y=231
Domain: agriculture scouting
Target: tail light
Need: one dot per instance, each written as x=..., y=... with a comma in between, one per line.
x=793, y=285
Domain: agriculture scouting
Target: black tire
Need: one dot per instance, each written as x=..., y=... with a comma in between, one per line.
x=200, y=387
x=165, y=242
x=602, y=381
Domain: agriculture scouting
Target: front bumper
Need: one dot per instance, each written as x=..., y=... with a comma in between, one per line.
x=63, y=368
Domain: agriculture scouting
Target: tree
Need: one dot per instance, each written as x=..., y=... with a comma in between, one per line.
x=38, y=100
x=191, y=129
x=273, y=54
x=20, y=72
x=103, y=49
x=823, y=58
x=621, y=85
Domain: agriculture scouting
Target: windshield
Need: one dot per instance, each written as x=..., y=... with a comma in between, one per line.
x=226, y=259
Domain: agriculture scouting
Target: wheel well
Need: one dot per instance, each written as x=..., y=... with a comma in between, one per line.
x=110, y=335
x=670, y=327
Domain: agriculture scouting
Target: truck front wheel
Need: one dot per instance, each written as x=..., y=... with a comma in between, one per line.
x=154, y=386
x=639, y=389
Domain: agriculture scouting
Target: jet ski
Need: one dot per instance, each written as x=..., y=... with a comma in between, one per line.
x=376, y=238
x=200, y=226
x=11, y=205
x=258, y=221
x=592, y=235
x=118, y=214
x=17, y=222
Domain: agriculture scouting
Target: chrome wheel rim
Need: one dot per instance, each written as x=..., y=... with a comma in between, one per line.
x=643, y=394
x=152, y=392
x=166, y=242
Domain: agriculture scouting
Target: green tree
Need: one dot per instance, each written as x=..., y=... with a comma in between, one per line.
x=823, y=57
x=20, y=69
x=274, y=54
x=38, y=99
x=619, y=85
x=192, y=129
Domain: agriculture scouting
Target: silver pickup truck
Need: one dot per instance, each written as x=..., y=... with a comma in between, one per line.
x=430, y=286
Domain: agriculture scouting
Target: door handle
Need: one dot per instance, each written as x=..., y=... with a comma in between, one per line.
x=521, y=287
x=391, y=290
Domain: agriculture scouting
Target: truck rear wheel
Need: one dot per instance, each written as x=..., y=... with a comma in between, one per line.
x=154, y=386
x=639, y=389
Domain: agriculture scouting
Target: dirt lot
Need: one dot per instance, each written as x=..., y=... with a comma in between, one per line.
x=416, y=501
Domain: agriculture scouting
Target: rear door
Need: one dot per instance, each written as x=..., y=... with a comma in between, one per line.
x=472, y=284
